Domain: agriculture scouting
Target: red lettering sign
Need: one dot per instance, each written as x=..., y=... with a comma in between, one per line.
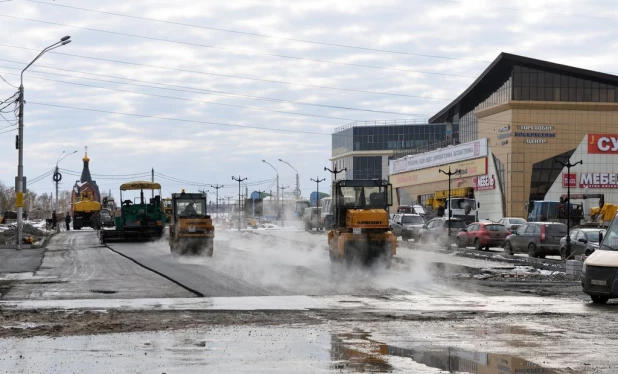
x=569, y=180
x=484, y=182
x=603, y=143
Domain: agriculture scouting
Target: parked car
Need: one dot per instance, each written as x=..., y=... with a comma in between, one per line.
x=538, y=239
x=312, y=218
x=482, y=235
x=407, y=226
x=512, y=223
x=436, y=230
x=583, y=241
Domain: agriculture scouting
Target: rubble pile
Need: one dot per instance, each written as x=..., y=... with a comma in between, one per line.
x=8, y=235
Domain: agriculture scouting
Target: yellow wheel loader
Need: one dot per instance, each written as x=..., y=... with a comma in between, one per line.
x=191, y=229
x=361, y=232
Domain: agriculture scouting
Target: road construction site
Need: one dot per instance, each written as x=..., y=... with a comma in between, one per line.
x=270, y=300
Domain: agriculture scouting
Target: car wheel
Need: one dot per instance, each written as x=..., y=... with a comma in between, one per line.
x=477, y=244
x=532, y=250
x=599, y=299
x=508, y=249
x=458, y=242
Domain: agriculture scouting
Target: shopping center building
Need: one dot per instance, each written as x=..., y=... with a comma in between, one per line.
x=516, y=121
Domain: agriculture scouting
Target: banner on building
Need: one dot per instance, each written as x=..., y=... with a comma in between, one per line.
x=603, y=143
x=569, y=180
x=598, y=180
x=444, y=156
x=484, y=182
x=468, y=169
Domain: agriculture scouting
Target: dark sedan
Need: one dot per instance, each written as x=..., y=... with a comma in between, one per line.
x=582, y=241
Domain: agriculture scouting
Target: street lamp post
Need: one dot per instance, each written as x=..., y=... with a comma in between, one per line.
x=317, y=181
x=568, y=165
x=277, y=184
x=282, y=207
x=19, y=190
x=450, y=208
x=297, y=190
x=239, y=180
x=57, y=178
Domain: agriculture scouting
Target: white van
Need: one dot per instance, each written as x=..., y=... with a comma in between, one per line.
x=599, y=275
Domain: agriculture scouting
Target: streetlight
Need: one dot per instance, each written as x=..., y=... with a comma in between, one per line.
x=449, y=202
x=19, y=190
x=317, y=181
x=297, y=190
x=568, y=165
x=277, y=184
x=57, y=179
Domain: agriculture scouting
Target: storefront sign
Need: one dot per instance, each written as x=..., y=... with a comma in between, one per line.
x=444, y=156
x=598, y=180
x=484, y=182
x=602, y=143
x=468, y=169
x=569, y=180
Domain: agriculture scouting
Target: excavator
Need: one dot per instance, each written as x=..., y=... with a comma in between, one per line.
x=361, y=232
x=191, y=229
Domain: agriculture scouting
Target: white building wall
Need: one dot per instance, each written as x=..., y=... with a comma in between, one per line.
x=490, y=200
x=592, y=163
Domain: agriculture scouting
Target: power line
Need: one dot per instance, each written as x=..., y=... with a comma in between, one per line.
x=181, y=120
x=233, y=49
x=190, y=89
x=191, y=100
x=214, y=74
x=260, y=35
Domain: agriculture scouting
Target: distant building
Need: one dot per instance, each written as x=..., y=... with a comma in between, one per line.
x=85, y=185
x=364, y=148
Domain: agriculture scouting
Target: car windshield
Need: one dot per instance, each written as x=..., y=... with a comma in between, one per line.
x=556, y=229
x=495, y=227
x=456, y=224
x=413, y=219
x=517, y=221
x=610, y=238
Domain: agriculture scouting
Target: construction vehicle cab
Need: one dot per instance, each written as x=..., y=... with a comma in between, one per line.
x=191, y=230
x=140, y=218
x=361, y=230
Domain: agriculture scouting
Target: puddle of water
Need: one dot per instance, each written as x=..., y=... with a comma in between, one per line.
x=357, y=352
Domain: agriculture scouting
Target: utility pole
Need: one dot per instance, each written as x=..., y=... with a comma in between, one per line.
x=317, y=181
x=568, y=165
x=335, y=171
x=239, y=180
x=450, y=208
x=282, y=206
x=19, y=142
x=216, y=187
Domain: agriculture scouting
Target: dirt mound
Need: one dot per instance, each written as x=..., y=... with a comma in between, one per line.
x=8, y=236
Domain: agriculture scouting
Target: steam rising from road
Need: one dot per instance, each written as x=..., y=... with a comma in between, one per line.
x=297, y=263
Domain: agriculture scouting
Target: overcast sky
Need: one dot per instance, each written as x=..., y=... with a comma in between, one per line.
x=214, y=75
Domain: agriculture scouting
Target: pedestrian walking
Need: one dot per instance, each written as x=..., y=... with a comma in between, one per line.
x=67, y=219
x=54, y=219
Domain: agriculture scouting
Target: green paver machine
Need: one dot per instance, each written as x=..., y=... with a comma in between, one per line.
x=139, y=219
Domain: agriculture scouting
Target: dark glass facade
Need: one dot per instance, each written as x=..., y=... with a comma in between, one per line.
x=538, y=85
x=545, y=173
x=389, y=137
x=369, y=167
